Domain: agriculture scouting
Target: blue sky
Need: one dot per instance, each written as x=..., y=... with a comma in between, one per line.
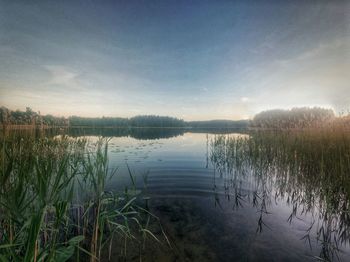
x=189, y=59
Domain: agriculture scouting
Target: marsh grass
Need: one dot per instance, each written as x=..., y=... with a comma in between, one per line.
x=308, y=169
x=54, y=205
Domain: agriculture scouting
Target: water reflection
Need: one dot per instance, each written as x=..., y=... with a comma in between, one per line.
x=306, y=171
x=144, y=133
x=148, y=133
x=138, y=133
x=289, y=191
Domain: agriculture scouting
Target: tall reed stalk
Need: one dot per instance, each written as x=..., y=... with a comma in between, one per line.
x=53, y=202
x=309, y=169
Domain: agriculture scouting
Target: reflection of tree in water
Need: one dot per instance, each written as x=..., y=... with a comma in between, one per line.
x=308, y=169
x=145, y=133
x=138, y=133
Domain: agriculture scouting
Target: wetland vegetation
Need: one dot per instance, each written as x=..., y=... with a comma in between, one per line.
x=151, y=143
x=192, y=194
x=308, y=169
x=54, y=205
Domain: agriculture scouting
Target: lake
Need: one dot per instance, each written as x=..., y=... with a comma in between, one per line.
x=211, y=209
x=188, y=194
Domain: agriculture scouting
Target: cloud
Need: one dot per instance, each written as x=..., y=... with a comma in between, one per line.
x=316, y=77
x=64, y=77
x=245, y=99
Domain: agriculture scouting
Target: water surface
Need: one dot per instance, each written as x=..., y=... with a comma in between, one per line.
x=214, y=213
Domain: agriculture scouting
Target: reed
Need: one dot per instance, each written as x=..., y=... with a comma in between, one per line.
x=308, y=169
x=53, y=202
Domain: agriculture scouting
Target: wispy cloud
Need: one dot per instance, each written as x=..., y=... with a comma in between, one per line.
x=63, y=77
x=245, y=99
x=218, y=60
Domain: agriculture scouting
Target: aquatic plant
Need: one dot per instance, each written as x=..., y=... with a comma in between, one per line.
x=308, y=169
x=53, y=202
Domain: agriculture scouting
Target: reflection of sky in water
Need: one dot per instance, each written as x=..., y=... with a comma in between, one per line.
x=180, y=176
x=156, y=156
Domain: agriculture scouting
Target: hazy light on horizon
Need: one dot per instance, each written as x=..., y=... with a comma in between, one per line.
x=193, y=60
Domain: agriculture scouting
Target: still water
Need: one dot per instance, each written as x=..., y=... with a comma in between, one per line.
x=210, y=212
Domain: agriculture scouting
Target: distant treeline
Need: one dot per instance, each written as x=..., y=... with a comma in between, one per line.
x=298, y=118
x=219, y=123
x=29, y=117
x=273, y=119
x=137, y=121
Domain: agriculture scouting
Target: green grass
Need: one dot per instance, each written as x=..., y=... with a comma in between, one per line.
x=54, y=205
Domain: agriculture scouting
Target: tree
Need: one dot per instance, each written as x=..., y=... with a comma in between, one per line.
x=295, y=118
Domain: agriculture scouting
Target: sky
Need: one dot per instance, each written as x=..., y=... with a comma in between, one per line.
x=194, y=60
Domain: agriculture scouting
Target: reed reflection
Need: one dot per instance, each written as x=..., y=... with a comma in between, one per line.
x=308, y=171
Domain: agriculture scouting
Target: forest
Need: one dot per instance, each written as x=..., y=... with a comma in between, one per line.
x=30, y=117
x=298, y=118
x=295, y=118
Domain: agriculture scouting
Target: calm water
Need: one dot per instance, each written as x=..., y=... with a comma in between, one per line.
x=210, y=216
